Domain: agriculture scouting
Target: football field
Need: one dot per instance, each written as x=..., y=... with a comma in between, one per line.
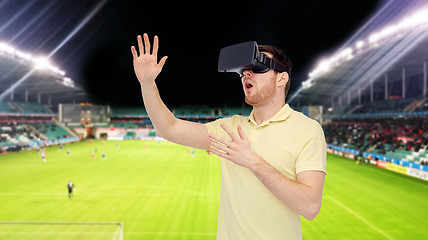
x=165, y=191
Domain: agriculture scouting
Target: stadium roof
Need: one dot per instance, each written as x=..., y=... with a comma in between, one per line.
x=395, y=38
x=24, y=78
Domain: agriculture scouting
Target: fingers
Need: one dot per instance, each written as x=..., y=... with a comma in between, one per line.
x=145, y=48
x=155, y=46
x=229, y=132
x=220, y=154
x=146, y=43
x=242, y=134
x=162, y=61
x=140, y=45
x=134, y=52
x=219, y=146
x=218, y=139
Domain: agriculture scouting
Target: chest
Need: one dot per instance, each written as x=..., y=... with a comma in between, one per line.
x=278, y=145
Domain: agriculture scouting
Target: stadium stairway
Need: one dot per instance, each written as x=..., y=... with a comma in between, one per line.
x=33, y=129
x=63, y=126
x=414, y=105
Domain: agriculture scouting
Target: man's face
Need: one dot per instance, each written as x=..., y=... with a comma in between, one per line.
x=259, y=87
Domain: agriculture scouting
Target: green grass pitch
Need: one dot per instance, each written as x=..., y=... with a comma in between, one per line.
x=162, y=191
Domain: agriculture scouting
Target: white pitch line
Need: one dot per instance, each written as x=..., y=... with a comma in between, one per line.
x=172, y=233
x=358, y=216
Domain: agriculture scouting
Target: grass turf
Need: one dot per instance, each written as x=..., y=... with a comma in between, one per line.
x=161, y=191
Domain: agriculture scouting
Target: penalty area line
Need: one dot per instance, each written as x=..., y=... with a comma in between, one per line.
x=173, y=233
x=358, y=216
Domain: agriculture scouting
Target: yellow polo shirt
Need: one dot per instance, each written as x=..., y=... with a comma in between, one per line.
x=289, y=141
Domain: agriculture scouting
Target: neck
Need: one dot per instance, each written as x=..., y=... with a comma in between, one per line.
x=267, y=111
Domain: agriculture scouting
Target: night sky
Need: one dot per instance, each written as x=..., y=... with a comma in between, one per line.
x=98, y=57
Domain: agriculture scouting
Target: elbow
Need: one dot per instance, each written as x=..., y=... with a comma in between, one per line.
x=312, y=211
x=158, y=133
x=164, y=132
x=310, y=216
x=163, y=135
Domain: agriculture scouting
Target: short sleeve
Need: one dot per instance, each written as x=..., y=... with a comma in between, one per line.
x=313, y=152
x=213, y=126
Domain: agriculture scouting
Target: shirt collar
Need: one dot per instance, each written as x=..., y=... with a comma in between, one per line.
x=281, y=115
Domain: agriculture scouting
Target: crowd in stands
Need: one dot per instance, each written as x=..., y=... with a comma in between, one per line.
x=14, y=129
x=24, y=123
x=51, y=130
x=21, y=133
x=380, y=135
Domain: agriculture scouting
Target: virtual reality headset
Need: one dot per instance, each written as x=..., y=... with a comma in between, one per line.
x=246, y=56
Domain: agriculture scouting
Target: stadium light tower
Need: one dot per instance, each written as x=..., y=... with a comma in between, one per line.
x=393, y=32
x=42, y=63
x=39, y=63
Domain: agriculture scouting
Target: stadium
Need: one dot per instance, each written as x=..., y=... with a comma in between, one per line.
x=370, y=96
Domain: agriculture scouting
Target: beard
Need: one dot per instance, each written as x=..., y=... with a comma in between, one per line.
x=260, y=96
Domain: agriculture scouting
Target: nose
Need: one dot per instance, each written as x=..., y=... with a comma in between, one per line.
x=247, y=73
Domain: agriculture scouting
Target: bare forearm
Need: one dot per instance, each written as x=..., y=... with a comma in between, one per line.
x=168, y=126
x=159, y=114
x=301, y=198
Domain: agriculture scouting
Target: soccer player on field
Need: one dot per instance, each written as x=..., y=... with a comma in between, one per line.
x=70, y=187
x=273, y=162
x=43, y=155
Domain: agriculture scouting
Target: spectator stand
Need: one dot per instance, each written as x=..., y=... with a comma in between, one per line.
x=388, y=139
x=24, y=126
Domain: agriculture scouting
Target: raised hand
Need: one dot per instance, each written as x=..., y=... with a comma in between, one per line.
x=146, y=66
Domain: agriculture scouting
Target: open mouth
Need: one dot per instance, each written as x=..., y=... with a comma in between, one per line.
x=248, y=85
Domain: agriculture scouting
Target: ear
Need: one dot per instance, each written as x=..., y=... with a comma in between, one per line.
x=281, y=79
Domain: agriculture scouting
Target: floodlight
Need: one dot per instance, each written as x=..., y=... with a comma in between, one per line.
x=41, y=63
x=307, y=84
x=360, y=44
x=6, y=48
x=23, y=55
x=68, y=82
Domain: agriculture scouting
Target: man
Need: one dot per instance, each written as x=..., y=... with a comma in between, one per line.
x=43, y=155
x=273, y=162
x=70, y=187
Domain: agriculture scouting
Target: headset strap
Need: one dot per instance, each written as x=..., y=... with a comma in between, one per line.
x=271, y=63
